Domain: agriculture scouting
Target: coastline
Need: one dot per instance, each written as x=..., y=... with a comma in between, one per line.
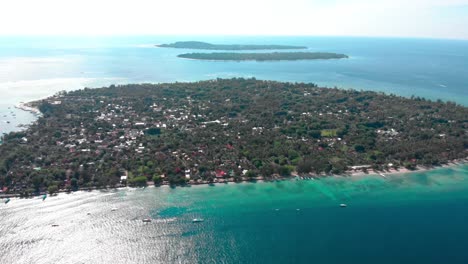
x=293, y=177
x=279, y=60
x=402, y=171
x=29, y=106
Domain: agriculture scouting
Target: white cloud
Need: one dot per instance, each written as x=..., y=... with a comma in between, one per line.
x=293, y=17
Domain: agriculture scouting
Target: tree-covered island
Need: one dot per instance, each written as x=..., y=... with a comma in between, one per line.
x=224, y=129
x=270, y=56
x=209, y=46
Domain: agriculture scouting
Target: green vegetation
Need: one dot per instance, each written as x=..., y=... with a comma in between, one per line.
x=52, y=189
x=153, y=131
x=209, y=46
x=157, y=180
x=234, y=129
x=329, y=133
x=138, y=181
x=273, y=56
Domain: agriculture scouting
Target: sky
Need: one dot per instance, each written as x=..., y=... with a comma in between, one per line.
x=389, y=18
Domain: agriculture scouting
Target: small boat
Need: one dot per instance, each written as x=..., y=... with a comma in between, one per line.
x=197, y=220
x=114, y=209
x=55, y=225
x=7, y=200
x=88, y=213
x=343, y=205
x=146, y=220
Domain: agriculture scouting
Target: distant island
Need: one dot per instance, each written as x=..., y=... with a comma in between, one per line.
x=209, y=46
x=272, y=56
x=224, y=130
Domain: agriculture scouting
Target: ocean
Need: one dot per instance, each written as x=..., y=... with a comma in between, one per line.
x=409, y=218
x=36, y=67
x=418, y=217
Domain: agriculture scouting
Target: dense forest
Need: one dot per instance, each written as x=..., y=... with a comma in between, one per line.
x=224, y=129
x=209, y=46
x=272, y=56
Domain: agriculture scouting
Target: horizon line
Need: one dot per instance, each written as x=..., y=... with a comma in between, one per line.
x=233, y=35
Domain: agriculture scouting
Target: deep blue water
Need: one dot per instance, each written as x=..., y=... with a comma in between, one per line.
x=411, y=218
x=36, y=67
x=418, y=218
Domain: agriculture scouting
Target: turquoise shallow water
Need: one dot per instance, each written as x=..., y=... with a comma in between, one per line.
x=416, y=218
x=35, y=67
x=413, y=218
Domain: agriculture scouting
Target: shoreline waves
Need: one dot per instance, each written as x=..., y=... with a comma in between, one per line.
x=28, y=108
x=293, y=177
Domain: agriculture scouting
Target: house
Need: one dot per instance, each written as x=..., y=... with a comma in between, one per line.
x=220, y=173
x=360, y=167
x=123, y=178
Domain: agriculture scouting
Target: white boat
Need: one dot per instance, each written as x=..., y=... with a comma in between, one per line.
x=146, y=220
x=343, y=205
x=114, y=209
x=197, y=220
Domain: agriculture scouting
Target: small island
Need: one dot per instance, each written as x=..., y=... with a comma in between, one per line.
x=272, y=56
x=224, y=130
x=209, y=46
